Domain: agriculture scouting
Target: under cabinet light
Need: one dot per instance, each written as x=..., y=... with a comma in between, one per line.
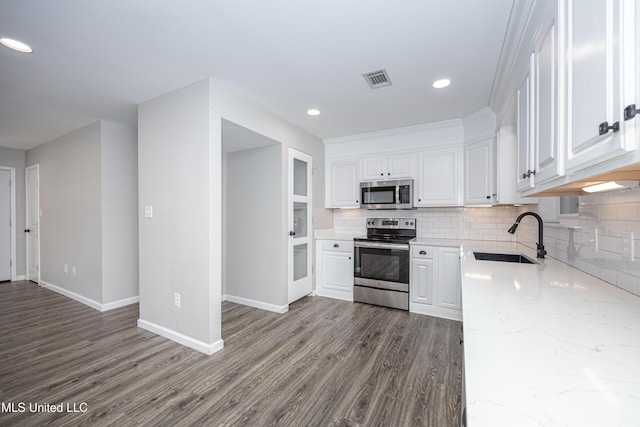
x=611, y=185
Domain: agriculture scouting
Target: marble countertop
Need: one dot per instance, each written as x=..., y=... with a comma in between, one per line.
x=546, y=344
x=330, y=234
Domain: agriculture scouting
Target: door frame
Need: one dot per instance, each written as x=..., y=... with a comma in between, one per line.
x=291, y=199
x=12, y=216
x=27, y=208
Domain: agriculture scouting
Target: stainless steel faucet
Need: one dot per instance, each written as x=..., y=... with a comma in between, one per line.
x=541, y=252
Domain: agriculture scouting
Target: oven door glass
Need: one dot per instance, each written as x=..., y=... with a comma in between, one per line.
x=389, y=265
x=379, y=195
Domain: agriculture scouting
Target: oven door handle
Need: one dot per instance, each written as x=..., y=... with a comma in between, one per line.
x=373, y=245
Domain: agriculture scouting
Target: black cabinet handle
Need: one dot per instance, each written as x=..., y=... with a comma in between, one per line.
x=528, y=173
x=422, y=253
x=335, y=245
x=292, y=233
x=488, y=197
x=461, y=341
x=604, y=128
x=27, y=231
x=630, y=112
x=381, y=173
x=388, y=173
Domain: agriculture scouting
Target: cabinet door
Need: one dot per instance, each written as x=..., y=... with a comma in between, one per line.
x=478, y=173
x=549, y=158
x=524, y=159
x=342, y=184
x=448, y=284
x=421, y=281
x=439, y=182
x=400, y=166
x=595, y=78
x=374, y=168
x=337, y=271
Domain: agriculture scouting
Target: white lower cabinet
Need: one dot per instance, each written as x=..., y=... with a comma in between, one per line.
x=334, y=269
x=434, y=281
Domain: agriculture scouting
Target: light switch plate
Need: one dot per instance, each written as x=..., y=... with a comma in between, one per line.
x=148, y=211
x=628, y=248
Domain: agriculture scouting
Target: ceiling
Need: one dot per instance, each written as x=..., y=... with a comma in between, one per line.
x=99, y=59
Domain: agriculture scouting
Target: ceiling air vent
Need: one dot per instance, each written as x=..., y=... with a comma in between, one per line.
x=377, y=79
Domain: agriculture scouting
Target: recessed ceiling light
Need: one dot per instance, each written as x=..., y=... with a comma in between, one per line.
x=313, y=112
x=439, y=84
x=16, y=45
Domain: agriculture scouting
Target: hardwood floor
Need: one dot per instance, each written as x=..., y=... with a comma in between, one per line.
x=324, y=363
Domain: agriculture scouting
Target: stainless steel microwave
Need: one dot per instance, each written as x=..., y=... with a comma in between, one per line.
x=387, y=194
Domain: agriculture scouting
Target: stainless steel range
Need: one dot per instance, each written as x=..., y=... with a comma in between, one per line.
x=382, y=261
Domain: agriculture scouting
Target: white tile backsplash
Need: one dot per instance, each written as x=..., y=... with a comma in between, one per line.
x=438, y=223
x=611, y=214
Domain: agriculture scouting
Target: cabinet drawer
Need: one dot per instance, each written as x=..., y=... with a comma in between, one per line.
x=421, y=251
x=337, y=246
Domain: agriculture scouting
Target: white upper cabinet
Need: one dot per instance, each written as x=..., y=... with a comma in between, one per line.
x=599, y=77
x=524, y=133
x=440, y=178
x=504, y=154
x=549, y=161
x=388, y=167
x=342, y=184
x=478, y=173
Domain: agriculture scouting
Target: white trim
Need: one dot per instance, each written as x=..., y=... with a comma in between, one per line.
x=120, y=303
x=21, y=277
x=88, y=301
x=431, y=310
x=256, y=304
x=335, y=294
x=70, y=294
x=12, y=218
x=193, y=343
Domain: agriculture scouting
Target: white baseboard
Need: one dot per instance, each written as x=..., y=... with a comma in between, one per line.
x=195, y=344
x=430, y=310
x=330, y=293
x=88, y=301
x=120, y=303
x=21, y=277
x=256, y=304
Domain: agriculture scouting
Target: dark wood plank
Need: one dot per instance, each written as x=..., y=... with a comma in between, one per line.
x=324, y=363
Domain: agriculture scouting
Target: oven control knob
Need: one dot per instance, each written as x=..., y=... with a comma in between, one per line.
x=411, y=222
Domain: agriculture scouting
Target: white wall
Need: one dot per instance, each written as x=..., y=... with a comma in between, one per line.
x=253, y=206
x=230, y=105
x=119, y=157
x=445, y=133
x=178, y=160
x=88, y=198
x=16, y=159
x=70, y=201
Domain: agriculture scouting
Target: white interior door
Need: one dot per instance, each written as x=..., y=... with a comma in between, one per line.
x=299, y=246
x=33, y=224
x=5, y=225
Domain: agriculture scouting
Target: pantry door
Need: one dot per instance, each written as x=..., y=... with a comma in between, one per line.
x=299, y=208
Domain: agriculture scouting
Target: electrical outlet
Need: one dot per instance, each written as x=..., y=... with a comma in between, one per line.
x=148, y=211
x=73, y=271
x=627, y=245
x=176, y=299
x=65, y=268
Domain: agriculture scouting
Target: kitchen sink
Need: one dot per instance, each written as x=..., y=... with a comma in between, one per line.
x=517, y=258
